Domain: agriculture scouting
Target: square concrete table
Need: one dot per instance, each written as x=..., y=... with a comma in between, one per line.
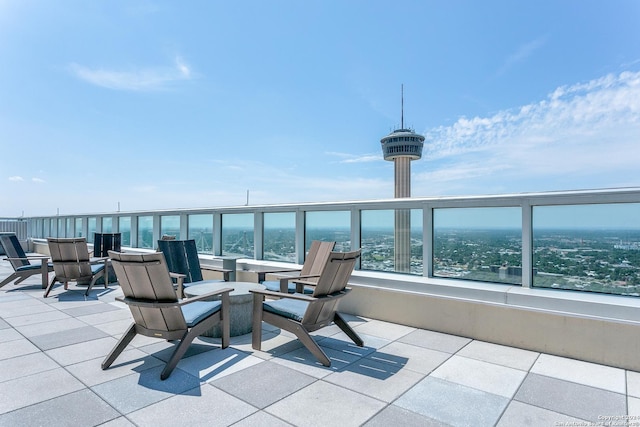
x=240, y=309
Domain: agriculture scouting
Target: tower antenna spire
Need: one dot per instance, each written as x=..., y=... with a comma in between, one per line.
x=402, y=106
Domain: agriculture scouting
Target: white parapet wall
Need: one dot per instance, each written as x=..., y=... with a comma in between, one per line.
x=591, y=338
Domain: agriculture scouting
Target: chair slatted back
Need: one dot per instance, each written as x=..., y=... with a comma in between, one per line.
x=145, y=277
x=317, y=258
x=329, y=289
x=70, y=257
x=182, y=258
x=105, y=242
x=13, y=249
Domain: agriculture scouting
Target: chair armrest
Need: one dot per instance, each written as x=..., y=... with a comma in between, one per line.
x=159, y=304
x=264, y=292
x=225, y=271
x=146, y=303
x=284, y=286
x=99, y=260
x=206, y=296
x=28, y=257
x=179, y=283
x=296, y=278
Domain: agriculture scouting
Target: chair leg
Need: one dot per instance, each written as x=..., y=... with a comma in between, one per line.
x=44, y=271
x=95, y=279
x=256, y=333
x=342, y=324
x=50, y=286
x=185, y=342
x=8, y=279
x=121, y=345
x=226, y=322
x=312, y=346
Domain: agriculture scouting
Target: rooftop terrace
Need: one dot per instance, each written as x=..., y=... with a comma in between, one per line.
x=51, y=350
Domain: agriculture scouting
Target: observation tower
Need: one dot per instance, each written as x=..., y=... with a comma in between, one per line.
x=402, y=146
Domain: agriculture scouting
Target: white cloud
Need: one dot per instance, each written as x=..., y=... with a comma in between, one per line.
x=352, y=158
x=143, y=79
x=522, y=53
x=38, y=180
x=16, y=178
x=584, y=133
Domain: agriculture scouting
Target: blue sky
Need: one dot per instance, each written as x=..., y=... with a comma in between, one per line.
x=164, y=104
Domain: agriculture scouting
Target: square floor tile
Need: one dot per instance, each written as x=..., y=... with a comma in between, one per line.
x=324, y=404
x=202, y=406
x=68, y=337
x=387, y=330
x=136, y=391
x=130, y=361
x=80, y=408
x=394, y=415
x=521, y=414
x=263, y=384
x=211, y=365
x=481, y=375
x=302, y=360
x=87, y=350
x=499, y=354
x=16, y=348
x=633, y=383
x=29, y=390
x=25, y=365
x=380, y=380
x=576, y=400
x=435, y=340
x=577, y=371
x=415, y=358
x=452, y=403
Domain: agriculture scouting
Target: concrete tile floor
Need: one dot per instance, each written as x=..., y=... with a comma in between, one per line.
x=51, y=350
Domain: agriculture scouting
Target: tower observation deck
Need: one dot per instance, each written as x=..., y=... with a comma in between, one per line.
x=402, y=146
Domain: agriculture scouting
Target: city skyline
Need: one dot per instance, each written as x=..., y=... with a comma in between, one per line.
x=157, y=105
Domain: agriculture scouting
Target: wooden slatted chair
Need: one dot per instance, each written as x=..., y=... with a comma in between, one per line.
x=182, y=259
x=157, y=312
x=71, y=263
x=312, y=267
x=23, y=267
x=301, y=314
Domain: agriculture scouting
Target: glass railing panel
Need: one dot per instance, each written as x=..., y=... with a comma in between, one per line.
x=78, y=228
x=61, y=228
x=145, y=232
x=124, y=227
x=69, y=227
x=593, y=248
x=387, y=233
x=279, y=236
x=38, y=229
x=328, y=226
x=91, y=228
x=170, y=226
x=481, y=244
x=107, y=224
x=237, y=235
x=200, y=229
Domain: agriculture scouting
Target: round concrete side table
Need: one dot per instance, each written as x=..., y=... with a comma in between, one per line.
x=240, y=309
